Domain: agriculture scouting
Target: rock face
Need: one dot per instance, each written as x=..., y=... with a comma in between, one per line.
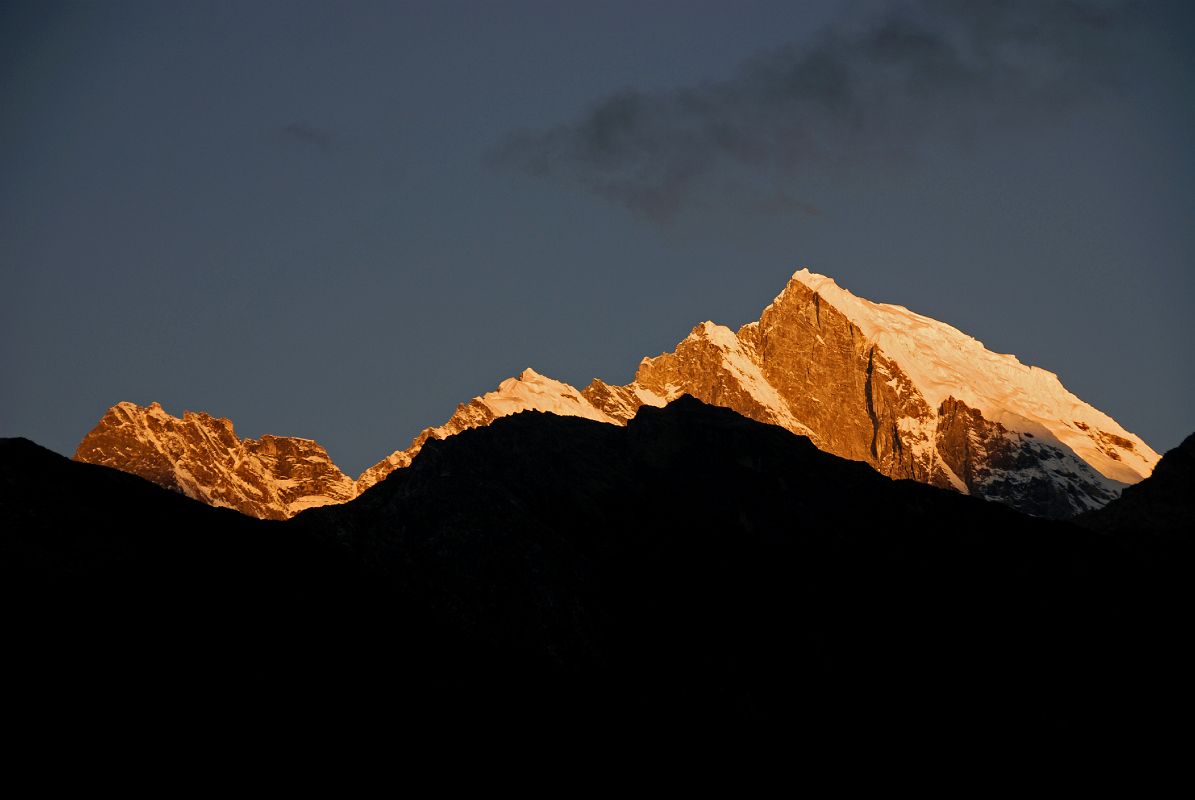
x=274, y=477
x=911, y=396
x=1016, y=468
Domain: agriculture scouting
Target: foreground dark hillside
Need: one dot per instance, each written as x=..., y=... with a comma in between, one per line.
x=694, y=570
x=120, y=596
x=1163, y=505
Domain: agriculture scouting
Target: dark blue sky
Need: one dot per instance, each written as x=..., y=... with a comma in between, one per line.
x=338, y=220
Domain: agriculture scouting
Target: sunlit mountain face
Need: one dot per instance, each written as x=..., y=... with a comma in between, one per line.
x=912, y=397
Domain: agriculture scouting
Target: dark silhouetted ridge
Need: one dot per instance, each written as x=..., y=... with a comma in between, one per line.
x=693, y=571
x=1163, y=504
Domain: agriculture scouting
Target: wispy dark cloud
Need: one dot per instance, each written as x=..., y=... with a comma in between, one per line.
x=888, y=87
x=305, y=134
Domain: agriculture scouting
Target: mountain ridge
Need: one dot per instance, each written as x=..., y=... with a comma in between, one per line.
x=874, y=410
x=911, y=396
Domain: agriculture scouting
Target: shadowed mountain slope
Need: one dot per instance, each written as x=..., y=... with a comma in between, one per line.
x=693, y=570
x=1164, y=504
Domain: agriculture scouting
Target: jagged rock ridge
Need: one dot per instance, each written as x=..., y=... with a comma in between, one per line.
x=274, y=477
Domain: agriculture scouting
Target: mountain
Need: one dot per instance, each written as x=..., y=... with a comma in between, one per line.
x=911, y=396
x=692, y=571
x=124, y=600
x=274, y=477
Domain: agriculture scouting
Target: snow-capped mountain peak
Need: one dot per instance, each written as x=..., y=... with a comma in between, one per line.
x=942, y=361
x=531, y=391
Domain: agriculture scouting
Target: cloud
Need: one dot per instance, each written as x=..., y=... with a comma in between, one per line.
x=305, y=134
x=884, y=88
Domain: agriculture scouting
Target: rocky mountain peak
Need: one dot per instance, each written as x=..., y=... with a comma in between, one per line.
x=201, y=456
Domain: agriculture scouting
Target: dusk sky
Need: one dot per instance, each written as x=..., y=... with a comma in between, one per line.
x=339, y=220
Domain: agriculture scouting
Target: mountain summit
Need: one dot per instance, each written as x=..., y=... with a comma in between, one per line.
x=913, y=397
x=274, y=477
